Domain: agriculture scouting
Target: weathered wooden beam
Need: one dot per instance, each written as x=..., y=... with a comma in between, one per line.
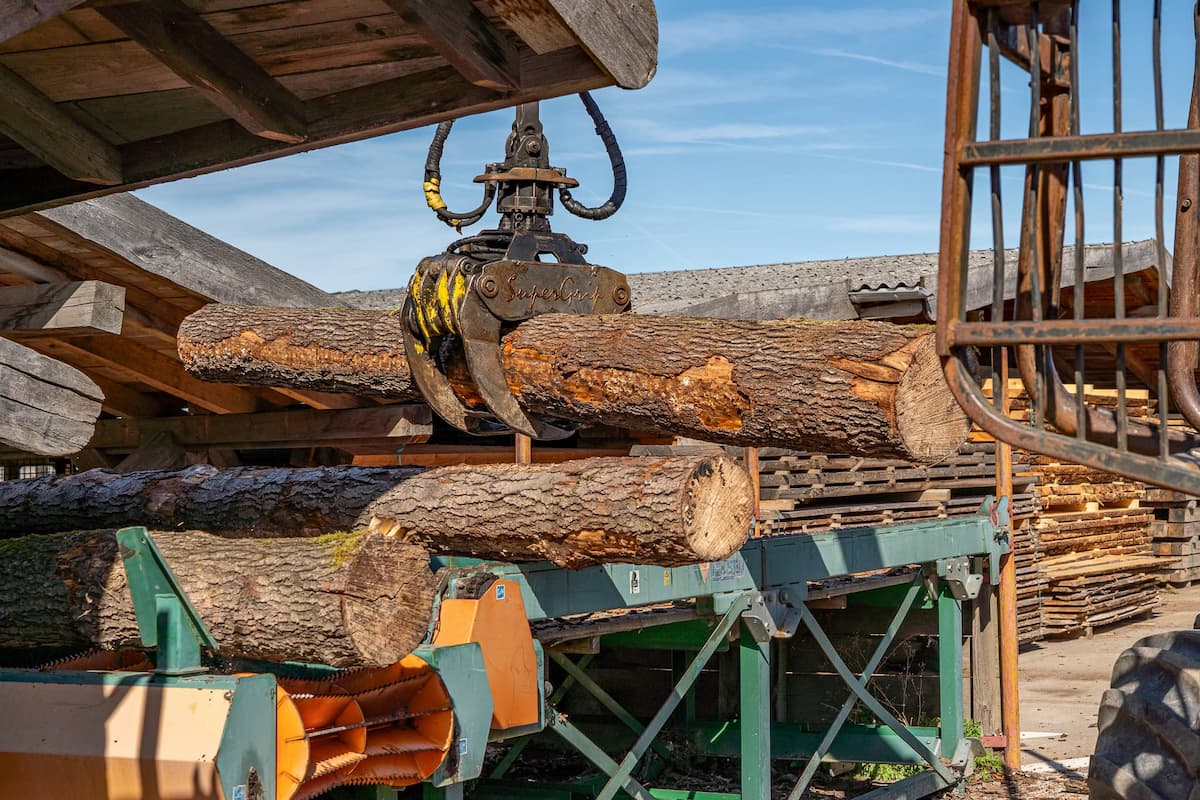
x=620, y=36
x=386, y=426
x=46, y=407
x=62, y=308
x=35, y=122
x=145, y=365
x=18, y=16
x=465, y=38
x=214, y=66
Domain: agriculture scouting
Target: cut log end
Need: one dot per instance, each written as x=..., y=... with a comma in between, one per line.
x=930, y=422
x=388, y=601
x=718, y=509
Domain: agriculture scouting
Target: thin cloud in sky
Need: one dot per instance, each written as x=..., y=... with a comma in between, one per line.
x=907, y=66
x=726, y=30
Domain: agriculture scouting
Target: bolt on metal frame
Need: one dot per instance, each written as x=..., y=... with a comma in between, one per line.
x=1043, y=40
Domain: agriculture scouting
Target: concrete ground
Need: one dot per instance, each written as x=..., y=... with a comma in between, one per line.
x=1061, y=684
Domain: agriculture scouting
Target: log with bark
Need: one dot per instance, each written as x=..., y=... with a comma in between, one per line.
x=351, y=599
x=856, y=387
x=651, y=510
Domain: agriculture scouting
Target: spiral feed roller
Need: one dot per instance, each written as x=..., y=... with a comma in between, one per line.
x=461, y=302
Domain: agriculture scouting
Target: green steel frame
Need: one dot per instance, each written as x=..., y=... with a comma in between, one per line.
x=752, y=598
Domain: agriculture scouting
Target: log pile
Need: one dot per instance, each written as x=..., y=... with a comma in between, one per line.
x=345, y=599
x=810, y=493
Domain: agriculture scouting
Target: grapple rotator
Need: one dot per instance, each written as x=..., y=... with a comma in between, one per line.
x=461, y=301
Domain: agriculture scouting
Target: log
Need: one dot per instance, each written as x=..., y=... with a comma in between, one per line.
x=240, y=501
x=662, y=511
x=353, y=599
x=854, y=387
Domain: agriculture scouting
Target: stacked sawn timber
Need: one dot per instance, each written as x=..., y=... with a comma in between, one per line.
x=1175, y=534
x=1091, y=547
x=812, y=493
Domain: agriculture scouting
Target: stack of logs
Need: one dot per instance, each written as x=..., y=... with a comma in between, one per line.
x=259, y=550
x=1175, y=534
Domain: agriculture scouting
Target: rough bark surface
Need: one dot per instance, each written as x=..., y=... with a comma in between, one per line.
x=668, y=511
x=352, y=599
x=329, y=350
x=663, y=511
x=854, y=387
x=240, y=501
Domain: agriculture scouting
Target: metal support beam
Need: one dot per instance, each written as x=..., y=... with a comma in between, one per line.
x=519, y=746
x=754, y=716
x=950, y=672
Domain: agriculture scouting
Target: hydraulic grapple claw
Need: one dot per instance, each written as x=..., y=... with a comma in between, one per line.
x=462, y=302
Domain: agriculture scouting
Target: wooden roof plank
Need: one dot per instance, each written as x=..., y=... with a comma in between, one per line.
x=467, y=39
x=18, y=16
x=230, y=79
x=36, y=122
x=385, y=107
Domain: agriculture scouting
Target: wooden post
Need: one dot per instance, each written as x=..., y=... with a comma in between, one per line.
x=1009, y=695
x=752, y=469
x=523, y=449
x=985, y=660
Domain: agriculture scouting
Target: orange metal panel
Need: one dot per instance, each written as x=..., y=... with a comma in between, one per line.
x=497, y=622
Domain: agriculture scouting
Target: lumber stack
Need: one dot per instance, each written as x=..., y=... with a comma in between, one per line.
x=811, y=493
x=1175, y=535
x=1090, y=549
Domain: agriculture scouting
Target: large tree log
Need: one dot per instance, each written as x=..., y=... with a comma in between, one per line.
x=665, y=511
x=240, y=501
x=344, y=599
x=860, y=388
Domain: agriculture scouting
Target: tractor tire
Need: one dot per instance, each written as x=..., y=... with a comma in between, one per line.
x=1148, y=747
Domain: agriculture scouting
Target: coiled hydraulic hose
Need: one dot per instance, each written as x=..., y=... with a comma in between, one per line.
x=433, y=184
x=620, y=182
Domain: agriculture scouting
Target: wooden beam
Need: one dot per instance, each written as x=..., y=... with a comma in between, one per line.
x=35, y=122
x=620, y=36
x=122, y=401
x=46, y=407
x=231, y=80
x=465, y=38
x=390, y=426
x=167, y=248
x=18, y=16
x=402, y=103
x=144, y=365
x=62, y=308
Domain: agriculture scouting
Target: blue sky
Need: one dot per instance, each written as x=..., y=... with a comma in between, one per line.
x=773, y=131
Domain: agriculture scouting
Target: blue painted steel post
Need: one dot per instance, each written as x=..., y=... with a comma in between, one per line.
x=754, y=678
x=950, y=671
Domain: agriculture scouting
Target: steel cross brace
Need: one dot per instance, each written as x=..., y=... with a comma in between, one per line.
x=810, y=769
x=620, y=774
x=606, y=699
x=859, y=690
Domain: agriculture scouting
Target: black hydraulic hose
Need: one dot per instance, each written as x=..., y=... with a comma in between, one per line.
x=620, y=182
x=433, y=184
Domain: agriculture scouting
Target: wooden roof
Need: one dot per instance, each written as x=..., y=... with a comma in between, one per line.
x=100, y=96
x=102, y=286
